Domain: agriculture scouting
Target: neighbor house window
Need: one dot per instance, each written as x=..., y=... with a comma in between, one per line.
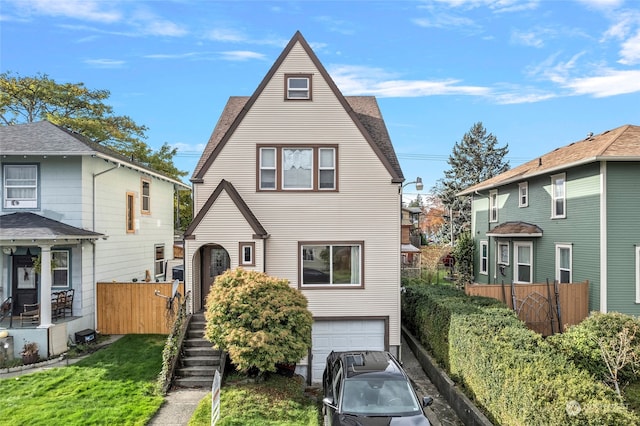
x=158, y=269
x=298, y=87
x=297, y=168
x=20, y=186
x=523, y=194
x=130, y=214
x=558, y=196
x=60, y=268
x=563, y=263
x=493, y=206
x=146, y=196
x=247, y=254
x=484, y=257
x=523, y=261
x=331, y=264
x=638, y=274
x=503, y=253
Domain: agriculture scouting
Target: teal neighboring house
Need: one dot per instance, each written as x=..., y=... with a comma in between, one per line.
x=570, y=215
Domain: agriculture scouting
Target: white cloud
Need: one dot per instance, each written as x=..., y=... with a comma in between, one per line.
x=241, y=55
x=443, y=20
x=530, y=38
x=90, y=10
x=226, y=35
x=105, y=63
x=496, y=5
x=630, y=52
x=602, y=4
x=186, y=55
x=610, y=82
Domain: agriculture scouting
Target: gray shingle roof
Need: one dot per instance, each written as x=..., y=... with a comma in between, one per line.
x=28, y=226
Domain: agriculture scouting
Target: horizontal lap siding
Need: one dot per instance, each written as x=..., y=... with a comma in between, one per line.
x=623, y=222
x=366, y=208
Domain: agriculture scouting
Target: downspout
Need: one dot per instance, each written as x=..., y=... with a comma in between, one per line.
x=93, y=245
x=603, y=238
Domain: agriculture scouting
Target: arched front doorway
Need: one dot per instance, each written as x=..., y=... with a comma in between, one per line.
x=215, y=260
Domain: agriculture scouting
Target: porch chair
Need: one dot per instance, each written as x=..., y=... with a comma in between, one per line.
x=58, y=301
x=31, y=313
x=68, y=303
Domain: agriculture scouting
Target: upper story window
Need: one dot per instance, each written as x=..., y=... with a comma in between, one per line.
x=145, y=204
x=523, y=194
x=558, y=196
x=20, y=186
x=331, y=264
x=60, y=268
x=298, y=86
x=493, y=205
x=130, y=217
x=303, y=168
x=158, y=269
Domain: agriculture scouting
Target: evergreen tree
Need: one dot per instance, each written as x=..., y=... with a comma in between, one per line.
x=474, y=159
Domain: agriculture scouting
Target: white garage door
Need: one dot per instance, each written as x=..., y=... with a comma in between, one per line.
x=343, y=335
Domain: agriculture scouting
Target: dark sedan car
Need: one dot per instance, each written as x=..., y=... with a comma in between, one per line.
x=370, y=388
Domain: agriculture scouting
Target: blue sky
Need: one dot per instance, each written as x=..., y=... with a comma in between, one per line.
x=538, y=74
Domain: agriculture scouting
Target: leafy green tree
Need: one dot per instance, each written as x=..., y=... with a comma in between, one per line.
x=79, y=109
x=260, y=321
x=474, y=159
x=463, y=255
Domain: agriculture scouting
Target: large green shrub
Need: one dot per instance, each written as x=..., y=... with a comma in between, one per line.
x=510, y=371
x=260, y=321
x=579, y=343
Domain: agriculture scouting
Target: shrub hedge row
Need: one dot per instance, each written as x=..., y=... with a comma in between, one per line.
x=510, y=371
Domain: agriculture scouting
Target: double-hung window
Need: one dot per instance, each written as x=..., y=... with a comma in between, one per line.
x=558, y=196
x=298, y=87
x=20, y=186
x=503, y=253
x=297, y=168
x=484, y=257
x=331, y=264
x=563, y=263
x=493, y=205
x=145, y=204
x=60, y=268
x=158, y=269
x=523, y=194
x=523, y=261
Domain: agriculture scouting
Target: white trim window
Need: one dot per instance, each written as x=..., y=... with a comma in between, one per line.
x=297, y=168
x=503, y=253
x=523, y=261
x=331, y=264
x=558, y=196
x=247, y=254
x=145, y=202
x=564, y=262
x=637, y=273
x=326, y=168
x=493, y=205
x=60, y=268
x=20, y=186
x=158, y=269
x=267, y=168
x=523, y=194
x=298, y=87
x=484, y=257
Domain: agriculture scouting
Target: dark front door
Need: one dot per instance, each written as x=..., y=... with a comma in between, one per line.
x=24, y=285
x=215, y=261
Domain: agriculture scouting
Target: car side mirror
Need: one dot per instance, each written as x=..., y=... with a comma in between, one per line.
x=427, y=401
x=328, y=401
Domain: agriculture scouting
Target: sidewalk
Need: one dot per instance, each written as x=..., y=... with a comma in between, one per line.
x=178, y=407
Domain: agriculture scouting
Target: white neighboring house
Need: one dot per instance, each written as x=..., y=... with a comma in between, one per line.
x=89, y=213
x=303, y=183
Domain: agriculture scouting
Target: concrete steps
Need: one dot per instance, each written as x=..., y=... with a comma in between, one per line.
x=198, y=360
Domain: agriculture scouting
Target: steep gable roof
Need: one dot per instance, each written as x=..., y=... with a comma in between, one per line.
x=235, y=196
x=45, y=138
x=363, y=110
x=619, y=144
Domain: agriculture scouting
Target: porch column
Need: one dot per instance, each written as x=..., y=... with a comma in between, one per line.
x=45, y=287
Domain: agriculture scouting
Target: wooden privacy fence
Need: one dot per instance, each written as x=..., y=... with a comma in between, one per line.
x=134, y=308
x=546, y=308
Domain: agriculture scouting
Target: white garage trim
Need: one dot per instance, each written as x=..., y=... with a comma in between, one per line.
x=344, y=334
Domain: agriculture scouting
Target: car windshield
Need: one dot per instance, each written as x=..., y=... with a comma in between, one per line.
x=379, y=397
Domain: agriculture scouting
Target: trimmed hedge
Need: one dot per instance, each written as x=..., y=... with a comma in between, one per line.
x=510, y=371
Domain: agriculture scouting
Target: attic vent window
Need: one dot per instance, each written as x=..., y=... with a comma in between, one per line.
x=298, y=87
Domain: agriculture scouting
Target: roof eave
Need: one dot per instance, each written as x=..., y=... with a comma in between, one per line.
x=515, y=235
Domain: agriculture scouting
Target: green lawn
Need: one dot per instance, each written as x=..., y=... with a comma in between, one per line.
x=278, y=401
x=114, y=385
